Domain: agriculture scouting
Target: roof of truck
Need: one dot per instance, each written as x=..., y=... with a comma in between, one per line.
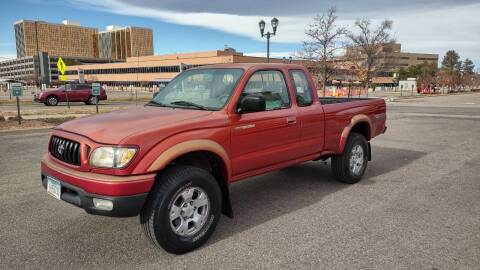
x=250, y=65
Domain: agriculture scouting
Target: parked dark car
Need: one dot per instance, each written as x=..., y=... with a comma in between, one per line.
x=78, y=92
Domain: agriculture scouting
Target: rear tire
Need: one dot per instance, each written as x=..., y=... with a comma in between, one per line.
x=92, y=100
x=182, y=209
x=51, y=101
x=350, y=166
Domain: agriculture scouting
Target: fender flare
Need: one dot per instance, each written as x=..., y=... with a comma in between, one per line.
x=346, y=131
x=185, y=147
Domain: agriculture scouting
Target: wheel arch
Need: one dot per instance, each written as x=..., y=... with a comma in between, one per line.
x=204, y=154
x=52, y=95
x=360, y=124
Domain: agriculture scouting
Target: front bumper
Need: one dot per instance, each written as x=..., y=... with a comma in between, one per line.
x=128, y=194
x=123, y=206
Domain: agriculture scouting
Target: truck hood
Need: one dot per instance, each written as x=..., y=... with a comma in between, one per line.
x=112, y=127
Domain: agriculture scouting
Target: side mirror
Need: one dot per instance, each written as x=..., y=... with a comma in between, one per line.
x=252, y=103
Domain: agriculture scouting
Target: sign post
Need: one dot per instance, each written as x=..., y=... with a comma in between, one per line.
x=96, y=93
x=68, y=88
x=17, y=92
x=9, y=86
x=61, y=68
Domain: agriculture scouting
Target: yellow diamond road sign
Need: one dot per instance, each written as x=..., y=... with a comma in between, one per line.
x=61, y=66
x=63, y=78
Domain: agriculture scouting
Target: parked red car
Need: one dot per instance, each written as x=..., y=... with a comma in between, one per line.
x=173, y=160
x=78, y=92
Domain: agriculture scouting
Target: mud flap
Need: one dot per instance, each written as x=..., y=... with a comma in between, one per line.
x=369, y=151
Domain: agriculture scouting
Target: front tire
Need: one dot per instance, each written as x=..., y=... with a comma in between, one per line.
x=52, y=101
x=350, y=166
x=182, y=210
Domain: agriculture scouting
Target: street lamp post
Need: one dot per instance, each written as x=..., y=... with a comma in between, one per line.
x=267, y=35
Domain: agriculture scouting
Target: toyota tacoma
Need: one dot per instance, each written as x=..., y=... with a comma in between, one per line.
x=173, y=160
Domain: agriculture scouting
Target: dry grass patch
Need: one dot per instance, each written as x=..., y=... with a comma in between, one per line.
x=12, y=124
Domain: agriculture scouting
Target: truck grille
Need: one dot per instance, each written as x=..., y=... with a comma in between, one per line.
x=65, y=150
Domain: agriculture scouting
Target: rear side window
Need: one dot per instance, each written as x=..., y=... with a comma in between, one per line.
x=271, y=84
x=303, y=93
x=80, y=87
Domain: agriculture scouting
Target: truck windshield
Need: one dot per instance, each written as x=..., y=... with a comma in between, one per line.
x=205, y=89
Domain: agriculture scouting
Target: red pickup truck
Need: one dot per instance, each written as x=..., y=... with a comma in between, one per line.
x=172, y=161
x=78, y=92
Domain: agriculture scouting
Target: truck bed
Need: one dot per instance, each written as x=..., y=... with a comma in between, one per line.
x=333, y=100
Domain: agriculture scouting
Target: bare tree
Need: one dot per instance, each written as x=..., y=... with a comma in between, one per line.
x=323, y=40
x=370, y=41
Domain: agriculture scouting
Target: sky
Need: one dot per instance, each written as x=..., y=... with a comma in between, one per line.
x=421, y=26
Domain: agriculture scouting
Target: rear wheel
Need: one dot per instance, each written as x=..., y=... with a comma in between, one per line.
x=52, y=101
x=350, y=166
x=92, y=100
x=182, y=210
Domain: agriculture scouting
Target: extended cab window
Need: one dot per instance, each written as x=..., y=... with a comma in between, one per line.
x=270, y=84
x=303, y=93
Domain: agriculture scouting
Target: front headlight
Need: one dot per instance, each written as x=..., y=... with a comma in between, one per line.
x=112, y=157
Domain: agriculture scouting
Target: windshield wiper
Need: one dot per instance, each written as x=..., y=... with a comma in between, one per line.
x=188, y=103
x=156, y=103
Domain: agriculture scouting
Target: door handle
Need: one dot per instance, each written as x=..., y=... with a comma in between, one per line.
x=291, y=120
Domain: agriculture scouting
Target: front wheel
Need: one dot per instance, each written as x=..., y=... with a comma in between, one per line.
x=350, y=166
x=52, y=101
x=182, y=210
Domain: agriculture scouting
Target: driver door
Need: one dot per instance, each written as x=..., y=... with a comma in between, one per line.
x=265, y=138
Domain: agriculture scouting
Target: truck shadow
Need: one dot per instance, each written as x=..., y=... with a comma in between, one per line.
x=385, y=160
x=255, y=201
x=266, y=197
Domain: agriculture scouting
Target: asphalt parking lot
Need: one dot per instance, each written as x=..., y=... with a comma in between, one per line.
x=418, y=207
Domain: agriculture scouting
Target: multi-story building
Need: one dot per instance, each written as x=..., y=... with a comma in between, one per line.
x=154, y=70
x=39, y=44
x=122, y=42
x=388, y=60
x=66, y=39
x=42, y=68
x=391, y=58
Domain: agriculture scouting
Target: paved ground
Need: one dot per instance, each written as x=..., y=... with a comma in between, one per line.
x=417, y=208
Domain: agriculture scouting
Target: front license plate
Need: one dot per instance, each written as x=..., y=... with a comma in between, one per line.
x=53, y=187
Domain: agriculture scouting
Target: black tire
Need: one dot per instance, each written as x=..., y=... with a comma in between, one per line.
x=92, y=100
x=155, y=215
x=341, y=169
x=51, y=101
